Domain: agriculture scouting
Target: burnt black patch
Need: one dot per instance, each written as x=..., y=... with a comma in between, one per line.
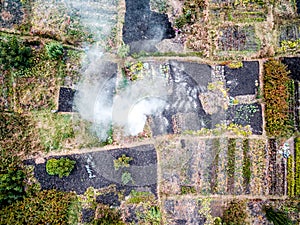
x=65, y=100
x=293, y=65
x=244, y=80
x=111, y=199
x=96, y=169
x=87, y=215
x=144, y=28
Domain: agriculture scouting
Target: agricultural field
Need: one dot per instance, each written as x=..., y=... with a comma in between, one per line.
x=182, y=112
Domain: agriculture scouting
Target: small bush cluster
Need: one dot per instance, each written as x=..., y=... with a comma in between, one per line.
x=276, y=95
x=287, y=45
x=107, y=216
x=134, y=70
x=153, y=216
x=122, y=162
x=61, y=167
x=46, y=207
x=235, y=213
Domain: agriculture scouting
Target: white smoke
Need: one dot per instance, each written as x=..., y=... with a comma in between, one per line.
x=138, y=114
x=94, y=101
x=147, y=96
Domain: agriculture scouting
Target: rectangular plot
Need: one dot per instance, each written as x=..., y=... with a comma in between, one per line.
x=238, y=173
x=214, y=168
x=246, y=166
x=235, y=38
x=222, y=174
x=257, y=151
x=230, y=166
x=202, y=165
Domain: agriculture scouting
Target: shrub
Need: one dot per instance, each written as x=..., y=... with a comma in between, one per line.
x=122, y=162
x=14, y=54
x=276, y=216
x=126, y=178
x=187, y=190
x=153, y=216
x=235, y=65
x=276, y=95
x=54, y=50
x=107, y=216
x=180, y=21
x=61, y=167
x=235, y=213
x=11, y=185
x=217, y=221
x=46, y=207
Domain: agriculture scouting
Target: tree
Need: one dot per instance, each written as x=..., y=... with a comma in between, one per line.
x=14, y=54
x=54, y=50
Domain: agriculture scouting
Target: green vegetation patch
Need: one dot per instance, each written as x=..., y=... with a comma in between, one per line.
x=17, y=134
x=140, y=196
x=54, y=129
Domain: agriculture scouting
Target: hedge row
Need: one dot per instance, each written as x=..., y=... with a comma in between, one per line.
x=276, y=97
x=46, y=207
x=297, y=166
x=290, y=176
